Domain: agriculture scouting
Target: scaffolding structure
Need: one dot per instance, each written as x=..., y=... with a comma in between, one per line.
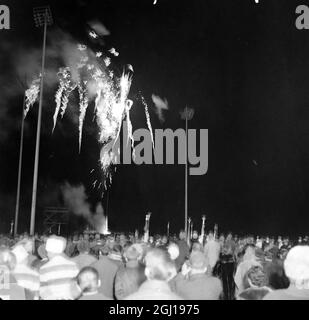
x=54, y=219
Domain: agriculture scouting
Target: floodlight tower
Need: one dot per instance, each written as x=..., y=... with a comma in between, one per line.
x=42, y=18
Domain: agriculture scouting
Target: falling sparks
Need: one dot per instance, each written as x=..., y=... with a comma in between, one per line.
x=83, y=104
x=107, y=61
x=148, y=120
x=32, y=95
x=66, y=86
x=160, y=105
x=81, y=47
x=114, y=52
x=93, y=35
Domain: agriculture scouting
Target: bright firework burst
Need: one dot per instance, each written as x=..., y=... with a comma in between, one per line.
x=32, y=95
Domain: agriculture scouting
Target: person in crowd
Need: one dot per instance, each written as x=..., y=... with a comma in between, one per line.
x=173, y=251
x=88, y=280
x=107, y=267
x=159, y=270
x=227, y=260
x=57, y=276
x=274, y=269
x=296, y=266
x=212, y=251
x=26, y=276
x=9, y=288
x=184, y=249
x=43, y=258
x=28, y=244
x=195, y=283
x=130, y=276
x=84, y=258
x=256, y=284
x=249, y=260
x=70, y=247
x=195, y=237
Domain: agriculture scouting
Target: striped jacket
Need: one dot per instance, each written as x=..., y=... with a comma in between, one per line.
x=57, y=279
x=27, y=278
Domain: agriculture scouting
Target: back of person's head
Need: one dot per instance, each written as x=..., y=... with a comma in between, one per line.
x=276, y=275
x=196, y=246
x=296, y=266
x=198, y=262
x=210, y=235
x=256, y=277
x=55, y=245
x=116, y=249
x=133, y=252
x=88, y=280
x=83, y=247
x=173, y=250
x=159, y=265
x=182, y=235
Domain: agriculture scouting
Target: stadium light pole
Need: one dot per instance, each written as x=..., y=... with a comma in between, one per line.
x=19, y=168
x=42, y=17
x=186, y=115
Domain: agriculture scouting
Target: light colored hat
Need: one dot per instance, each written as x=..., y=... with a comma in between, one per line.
x=173, y=250
x=296, y=264
x=55, y=244
x=20, y=253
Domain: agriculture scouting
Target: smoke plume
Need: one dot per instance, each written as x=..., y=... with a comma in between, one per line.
x=75, y=198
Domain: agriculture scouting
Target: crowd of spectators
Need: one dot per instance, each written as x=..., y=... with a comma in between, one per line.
x=116, y=267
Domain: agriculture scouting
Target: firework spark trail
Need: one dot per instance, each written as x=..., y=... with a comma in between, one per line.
x=130, y=128
x=112, y=106
x=62, y=74
x=148, y=120
x=83, y=105
x=32, y=94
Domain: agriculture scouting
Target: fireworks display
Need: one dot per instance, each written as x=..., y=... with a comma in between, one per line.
x=94, y=81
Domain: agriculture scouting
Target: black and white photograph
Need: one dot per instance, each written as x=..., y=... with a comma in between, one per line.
x=154, y=150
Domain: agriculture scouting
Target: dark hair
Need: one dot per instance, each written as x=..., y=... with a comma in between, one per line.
x=257, y=276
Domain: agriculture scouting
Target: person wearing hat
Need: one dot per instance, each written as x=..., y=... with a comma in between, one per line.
x=197, y=284
x=296, y=267
x=26, y=277
x=130, y=276
x=57, y=276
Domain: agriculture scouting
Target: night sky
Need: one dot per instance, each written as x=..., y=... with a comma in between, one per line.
x=243, y=67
